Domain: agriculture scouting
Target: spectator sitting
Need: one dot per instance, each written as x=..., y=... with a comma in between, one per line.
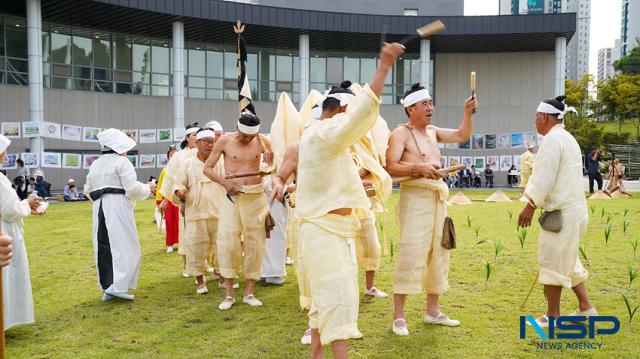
x=488, y=177
x=465, y=177
x=71, y=193
x=475, y=177
x=512, y=178
x=42, y=187
x=32, y=185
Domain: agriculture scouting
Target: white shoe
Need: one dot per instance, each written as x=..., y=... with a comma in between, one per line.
x=185, y=275
x=289, y=261
x=591, y=312
x=274, y=280
x=306, y=338
x=170, y=249
x=121, y=295
x=400, y=330
x=441, y=319
x=376, y=293
x=252, y=301
x=210, y=269
x=224, y=285
x=202, y=289
x=227, y=303
x=543, y=321
x=359, y=335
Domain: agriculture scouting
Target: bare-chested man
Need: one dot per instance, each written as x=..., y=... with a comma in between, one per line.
x=423, y=263
x=241, y=226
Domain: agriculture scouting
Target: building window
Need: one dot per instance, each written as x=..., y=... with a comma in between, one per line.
x=410, y=12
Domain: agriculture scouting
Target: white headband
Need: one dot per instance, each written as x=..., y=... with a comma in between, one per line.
x=191, y=130
x=544, y=107
x=205, y=133
x=249, y=130
x=344, y=98
x=415, y=97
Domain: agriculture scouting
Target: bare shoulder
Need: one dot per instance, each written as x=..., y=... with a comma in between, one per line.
x=399, y=134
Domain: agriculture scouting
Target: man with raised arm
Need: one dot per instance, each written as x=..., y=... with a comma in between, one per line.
x=329, y=190
x=423, y=263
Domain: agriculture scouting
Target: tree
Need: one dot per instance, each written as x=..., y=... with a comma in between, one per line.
x=605, y=104
x=626, y=96
x=586, y=132
x=630, y=64
x=577, y=93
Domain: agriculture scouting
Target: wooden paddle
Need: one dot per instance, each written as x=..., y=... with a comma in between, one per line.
x=443, y=171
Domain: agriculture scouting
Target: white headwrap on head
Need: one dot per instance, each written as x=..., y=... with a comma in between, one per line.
x=344, y=98
x=415, y=97
x=215, y=125
x=4, y=143
x=544, y=107
x=191, y=130
x=205, y=133
x=316, y=111
x=116, y=140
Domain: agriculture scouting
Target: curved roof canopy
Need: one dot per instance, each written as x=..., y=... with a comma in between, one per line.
x=211, y=21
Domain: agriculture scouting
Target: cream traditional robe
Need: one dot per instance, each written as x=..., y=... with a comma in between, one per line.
x=241, y=232
x=527, y=160
x=423, y=264
x=558, y=185
x=367, y=243
x=174, y=168
x=202, y=200
x=116, y=246
x=328, y=180
x=16, y=283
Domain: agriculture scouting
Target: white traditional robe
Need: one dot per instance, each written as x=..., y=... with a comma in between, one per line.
x=16, y=285
x=116, y=246
x=275, y=249
x=558, y=185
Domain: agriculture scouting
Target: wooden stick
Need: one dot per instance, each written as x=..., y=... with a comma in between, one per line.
x=443, y=171
x=248, y=174
x=535, y=280
x=472, y=81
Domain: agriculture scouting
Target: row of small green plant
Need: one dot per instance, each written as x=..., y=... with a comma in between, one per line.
x=522, y=234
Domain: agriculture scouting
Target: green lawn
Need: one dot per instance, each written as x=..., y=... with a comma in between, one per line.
x=614, y=126
x=168, y=320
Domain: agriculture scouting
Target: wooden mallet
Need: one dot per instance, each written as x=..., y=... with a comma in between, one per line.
x=429, y=29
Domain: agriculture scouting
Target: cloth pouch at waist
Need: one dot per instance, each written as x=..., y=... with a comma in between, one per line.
x=95, y=195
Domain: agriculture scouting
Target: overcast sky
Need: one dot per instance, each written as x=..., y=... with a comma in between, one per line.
x=605, y=23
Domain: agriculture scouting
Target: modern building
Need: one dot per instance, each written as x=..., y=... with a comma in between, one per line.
x=606, y=57
x=161, y=64
x=578, y=48
x=371, y=7
x=630, y=26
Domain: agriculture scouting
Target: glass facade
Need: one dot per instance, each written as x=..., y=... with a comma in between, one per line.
x=88, y=60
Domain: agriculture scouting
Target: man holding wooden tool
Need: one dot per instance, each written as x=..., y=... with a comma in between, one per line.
x=241, y=225
x=423, y=262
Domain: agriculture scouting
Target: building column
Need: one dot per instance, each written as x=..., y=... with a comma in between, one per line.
x=36, y=97
x=178, y=75
x=425, y=65
x=303, y=54
x=560, y=66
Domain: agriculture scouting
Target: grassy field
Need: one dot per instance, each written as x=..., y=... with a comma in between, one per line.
x=614, y=126
x=168, y=320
